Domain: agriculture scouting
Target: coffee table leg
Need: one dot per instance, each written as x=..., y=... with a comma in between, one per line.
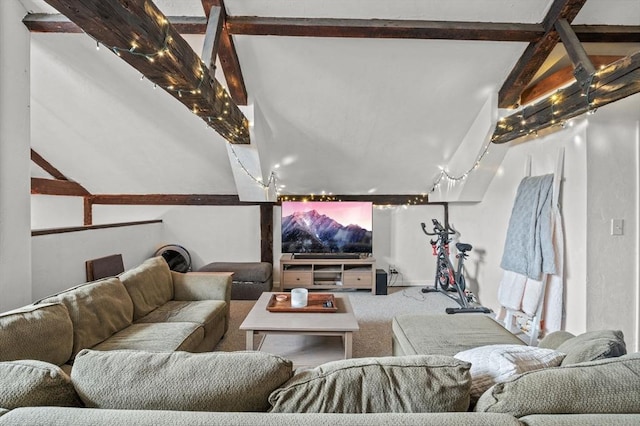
x=249, y=339
x=348, y=344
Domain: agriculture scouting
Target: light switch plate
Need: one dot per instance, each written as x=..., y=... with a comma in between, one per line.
x=617, y=226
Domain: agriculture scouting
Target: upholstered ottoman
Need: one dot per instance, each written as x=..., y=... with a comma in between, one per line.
x=416, y=334
x=250, y=279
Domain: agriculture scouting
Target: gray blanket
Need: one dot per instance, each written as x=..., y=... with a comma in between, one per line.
x=528, y=248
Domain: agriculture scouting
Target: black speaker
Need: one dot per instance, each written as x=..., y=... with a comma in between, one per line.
x=381, y=282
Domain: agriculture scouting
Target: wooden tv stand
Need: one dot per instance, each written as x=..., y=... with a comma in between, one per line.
x=327, y=274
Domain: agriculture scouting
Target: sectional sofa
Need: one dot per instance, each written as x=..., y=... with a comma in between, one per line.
x=148, y=307
x=91, y=356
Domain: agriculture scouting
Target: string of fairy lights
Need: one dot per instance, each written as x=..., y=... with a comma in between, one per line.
x=221, y=93
x=164, y=50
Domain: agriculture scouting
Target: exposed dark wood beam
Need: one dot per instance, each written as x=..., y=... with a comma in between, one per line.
x=536, y=53
x=583, y=68
x=141, y=35
x=46, y=166
x=266, y=233
x=171, y=199
x=381, y=200
x=561, y=78
x=612, y=83
x=383, y=28
x=212, y=39
x=233, y=200
x=45, y=23
x=57, y=187
x=88, y=211
x=228, y=56
x=607, y=33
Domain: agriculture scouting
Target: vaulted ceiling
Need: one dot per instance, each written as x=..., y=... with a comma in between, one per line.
x=370, y=109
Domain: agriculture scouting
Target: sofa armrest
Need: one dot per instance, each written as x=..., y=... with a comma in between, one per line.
x=202, y=286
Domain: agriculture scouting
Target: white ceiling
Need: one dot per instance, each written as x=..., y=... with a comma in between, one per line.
x=333, y=115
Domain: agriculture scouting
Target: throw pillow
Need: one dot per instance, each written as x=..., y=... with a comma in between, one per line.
x=415, y=383
x=600, y=387
x=30, y=383
x=593, y=345
x=496, y=363
x=555, y=339
x=180, y=381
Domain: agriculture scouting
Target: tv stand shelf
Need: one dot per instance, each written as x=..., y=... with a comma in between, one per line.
x=327, y=274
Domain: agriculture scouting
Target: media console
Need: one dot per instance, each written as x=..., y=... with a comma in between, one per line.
x=327, y=273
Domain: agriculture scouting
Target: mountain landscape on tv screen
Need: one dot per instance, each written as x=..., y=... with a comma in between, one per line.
x=312, y=232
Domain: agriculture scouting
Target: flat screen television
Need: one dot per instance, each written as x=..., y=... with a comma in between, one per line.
x=327, y=227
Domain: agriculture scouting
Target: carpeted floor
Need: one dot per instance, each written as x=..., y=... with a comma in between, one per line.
x=374, y=314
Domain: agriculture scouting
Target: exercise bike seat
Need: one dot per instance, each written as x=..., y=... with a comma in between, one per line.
x=463, y=247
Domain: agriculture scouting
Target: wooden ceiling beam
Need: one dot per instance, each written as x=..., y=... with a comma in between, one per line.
x=536, y=53
x=381, y=200
x=57, y=187
x=228, y=56
x=583, y=68
x=212, y=39
x=241, y=25
x=383, y=28
x=46, y=166
x=607, y=33
x=233, y=199
x=141, y=35
x=561, y=78
x=609, y=84
x=169, y=199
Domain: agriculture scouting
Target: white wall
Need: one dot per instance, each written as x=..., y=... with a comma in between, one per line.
x=209, y=233
x=484, y=224
x=15, y=254
x=612, y=260
x=58, y=259
x=54, y=211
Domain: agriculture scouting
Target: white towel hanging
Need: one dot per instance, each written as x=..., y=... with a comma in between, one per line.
x=538, y=301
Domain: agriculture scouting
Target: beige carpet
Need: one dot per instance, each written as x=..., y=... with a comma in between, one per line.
x=374, y=314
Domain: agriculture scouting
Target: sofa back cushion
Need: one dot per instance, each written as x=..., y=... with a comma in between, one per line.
x=97, y=309
x=606, y=386
x=414, y=383
x=593, y=345
x=150, y=285
x=181, y=381
x=42, y=332
x=30, y=383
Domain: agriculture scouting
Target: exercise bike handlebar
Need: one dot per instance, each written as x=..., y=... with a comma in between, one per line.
x=438, y=229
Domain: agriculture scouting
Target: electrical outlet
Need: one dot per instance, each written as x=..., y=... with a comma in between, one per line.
x=392, y=270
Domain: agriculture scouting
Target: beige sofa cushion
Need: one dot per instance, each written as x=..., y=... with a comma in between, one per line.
x=441, y=334
x=593, y=345
x=605, y=386
x=208, y=313
x=169, y=336
x=415, y=383
x=43, y=332
x=30, y=383
x=149, y=285
x=97, y=309
x=217, y=381
x=61, y=416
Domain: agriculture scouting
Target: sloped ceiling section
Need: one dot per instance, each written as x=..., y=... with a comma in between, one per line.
x=331, y=115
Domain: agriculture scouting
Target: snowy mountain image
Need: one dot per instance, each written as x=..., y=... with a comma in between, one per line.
x=312, y=232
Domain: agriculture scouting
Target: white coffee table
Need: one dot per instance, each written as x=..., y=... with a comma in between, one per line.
x=341, y=323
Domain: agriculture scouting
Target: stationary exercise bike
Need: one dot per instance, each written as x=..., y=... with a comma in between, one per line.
x=447, y=278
